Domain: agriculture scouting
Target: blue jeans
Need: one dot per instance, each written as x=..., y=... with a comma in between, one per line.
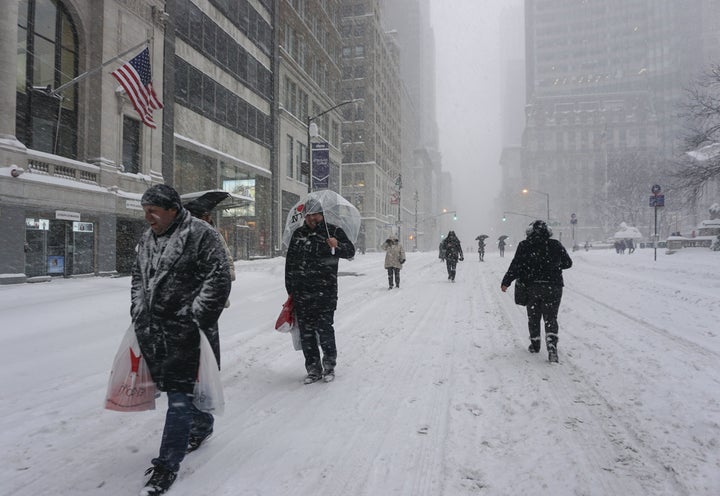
x=181, y=420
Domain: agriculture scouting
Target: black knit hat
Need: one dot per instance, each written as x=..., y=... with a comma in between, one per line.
x=162, y=195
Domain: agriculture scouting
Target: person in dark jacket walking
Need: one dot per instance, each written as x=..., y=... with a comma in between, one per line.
x=311, y=268
x=501, y=247
x=394, y=260
x=451, y=251
x=180, y=283
x=538, y=263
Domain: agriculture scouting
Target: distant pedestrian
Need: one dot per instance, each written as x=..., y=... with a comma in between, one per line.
x=451, y=251
x=501, y=247
x=394, y=260
x=481, y=249
x=538, y=263
x=630, y=246
x=180, y=283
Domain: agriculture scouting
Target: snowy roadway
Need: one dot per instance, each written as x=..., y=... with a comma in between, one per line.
x=435, y=392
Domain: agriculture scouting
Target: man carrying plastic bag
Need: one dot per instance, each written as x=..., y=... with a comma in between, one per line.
x=180, y=283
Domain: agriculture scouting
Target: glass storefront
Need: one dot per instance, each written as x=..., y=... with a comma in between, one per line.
x=59, y=247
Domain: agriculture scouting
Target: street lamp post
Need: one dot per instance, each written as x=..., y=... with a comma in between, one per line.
x=416, y=198
x=516, y=213
x=309, y=122
x=547, y=195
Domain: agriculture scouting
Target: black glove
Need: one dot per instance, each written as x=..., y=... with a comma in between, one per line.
x=402, y=261
x=462, y=258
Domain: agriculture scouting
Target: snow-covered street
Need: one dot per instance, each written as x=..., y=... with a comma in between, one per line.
x=435, y=394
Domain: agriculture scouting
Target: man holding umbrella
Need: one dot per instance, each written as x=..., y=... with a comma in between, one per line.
x=311, y=268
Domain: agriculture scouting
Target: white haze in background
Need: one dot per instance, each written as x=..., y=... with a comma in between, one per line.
x=475, y=40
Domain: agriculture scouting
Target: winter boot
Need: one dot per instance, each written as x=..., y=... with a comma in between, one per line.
x=160, y=480
x=533, y=349
x=312, y=377
x=552, y=353
x=196, y=440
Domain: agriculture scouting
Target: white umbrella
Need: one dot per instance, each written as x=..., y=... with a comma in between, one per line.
x=628, y=232
x=336, y=210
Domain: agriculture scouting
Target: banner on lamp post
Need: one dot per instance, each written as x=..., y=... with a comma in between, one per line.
x=320, y=165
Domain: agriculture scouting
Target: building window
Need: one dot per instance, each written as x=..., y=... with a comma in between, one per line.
x=47, y=57
x=131, y=145
x=290, y=157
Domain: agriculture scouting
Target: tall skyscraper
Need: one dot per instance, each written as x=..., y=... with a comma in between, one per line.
x=604, y=80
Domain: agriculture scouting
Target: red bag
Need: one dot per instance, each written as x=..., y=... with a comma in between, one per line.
x=286, y=319
x=130, y=387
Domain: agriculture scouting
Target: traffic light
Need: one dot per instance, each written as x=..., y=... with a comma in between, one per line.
x=504, y=218
x=454, y=216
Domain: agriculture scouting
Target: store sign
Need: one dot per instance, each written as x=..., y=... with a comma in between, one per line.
x=83, y=227
x=65, y=215
x=39, y=224
x=133, y=204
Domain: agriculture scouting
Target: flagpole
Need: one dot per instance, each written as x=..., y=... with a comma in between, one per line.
x=93, y=71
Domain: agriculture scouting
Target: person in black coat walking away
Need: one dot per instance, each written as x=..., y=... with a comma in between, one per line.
x=501, y=247
x=311, y=268
x=180, y=283
x=481, y=249
x=394, y=260
x=451, y=251
x=538, y=263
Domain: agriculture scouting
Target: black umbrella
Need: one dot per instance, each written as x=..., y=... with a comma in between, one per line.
x=481, y=237
x=503, y=237
x=206, y=202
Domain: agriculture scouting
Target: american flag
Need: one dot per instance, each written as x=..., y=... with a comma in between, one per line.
x=136, y=79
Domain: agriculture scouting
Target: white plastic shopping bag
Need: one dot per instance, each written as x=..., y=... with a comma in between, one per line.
x=295, y=334
x=208, y=394
x=130, y=387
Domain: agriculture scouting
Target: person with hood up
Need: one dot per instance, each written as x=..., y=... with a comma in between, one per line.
x=311, y=268
x=452, y=250
x=538, y=263
x=394, y=260
x=179, y=285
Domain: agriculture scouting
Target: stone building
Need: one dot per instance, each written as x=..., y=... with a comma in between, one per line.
x=75, y=156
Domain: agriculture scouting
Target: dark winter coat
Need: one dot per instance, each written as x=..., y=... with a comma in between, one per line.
x=452, y=248
x=538, y=259
x=184, y=295
x=311, y=268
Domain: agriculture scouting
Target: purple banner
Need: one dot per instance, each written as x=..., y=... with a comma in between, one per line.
x=320, y=166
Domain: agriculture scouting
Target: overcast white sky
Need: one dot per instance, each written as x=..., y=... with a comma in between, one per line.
x=474, y=42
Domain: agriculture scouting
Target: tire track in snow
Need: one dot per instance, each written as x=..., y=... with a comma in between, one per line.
x=581, y=420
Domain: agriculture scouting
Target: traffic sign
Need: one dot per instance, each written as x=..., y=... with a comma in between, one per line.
x=657, y=201
x=656, y=189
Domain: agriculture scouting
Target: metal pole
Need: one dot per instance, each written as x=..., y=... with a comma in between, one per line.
x=656, y=238
x=309, y=145
x=416, y=219
x=548, y=207
x=309, y=155
x=93, y=71
x=399, y=208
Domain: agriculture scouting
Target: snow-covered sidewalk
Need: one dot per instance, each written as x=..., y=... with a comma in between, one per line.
x=435, y=393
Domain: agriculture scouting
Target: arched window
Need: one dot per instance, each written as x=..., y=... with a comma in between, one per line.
x=47, y=58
